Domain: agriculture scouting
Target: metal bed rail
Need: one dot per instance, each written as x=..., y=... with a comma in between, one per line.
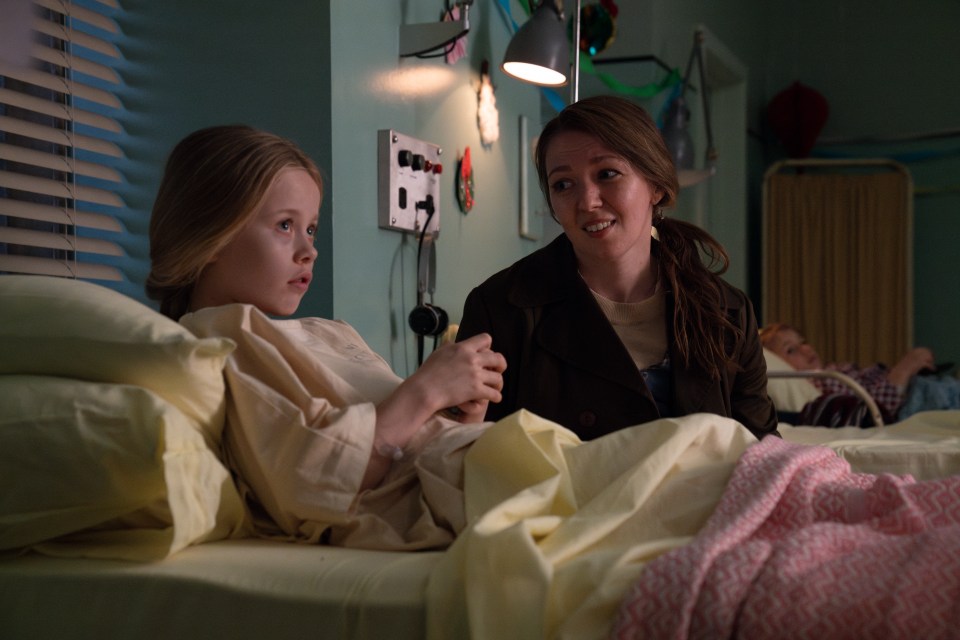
x=854, y=386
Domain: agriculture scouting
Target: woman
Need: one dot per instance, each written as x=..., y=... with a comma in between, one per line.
x=607, y=327
x=321, y=433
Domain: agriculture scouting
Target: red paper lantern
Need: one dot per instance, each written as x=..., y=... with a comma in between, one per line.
x=797, y=115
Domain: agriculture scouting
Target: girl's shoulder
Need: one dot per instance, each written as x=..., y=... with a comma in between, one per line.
x=246, y=318
x=247, y=325
x=324, y=328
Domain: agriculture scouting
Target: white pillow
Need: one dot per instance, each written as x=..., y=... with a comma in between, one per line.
x=788, y=394
x=106, y=470
x=110, y=422
x=76, y=329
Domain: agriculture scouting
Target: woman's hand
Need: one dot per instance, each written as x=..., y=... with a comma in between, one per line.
x=913, y=362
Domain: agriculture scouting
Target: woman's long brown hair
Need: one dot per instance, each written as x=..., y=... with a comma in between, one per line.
x=690, y=258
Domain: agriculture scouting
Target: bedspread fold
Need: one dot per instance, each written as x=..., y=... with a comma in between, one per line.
x=559, y=530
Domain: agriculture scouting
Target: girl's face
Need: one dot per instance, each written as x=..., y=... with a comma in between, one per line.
x=792, y=347
x=602, y=202
x=269, y=264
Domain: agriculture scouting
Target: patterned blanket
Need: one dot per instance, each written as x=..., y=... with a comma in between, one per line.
x=801, y=547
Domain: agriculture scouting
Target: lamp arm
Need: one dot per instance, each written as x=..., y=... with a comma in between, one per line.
x=711, y=152
x=694, y=56
x=417, y=39
x=575, y=85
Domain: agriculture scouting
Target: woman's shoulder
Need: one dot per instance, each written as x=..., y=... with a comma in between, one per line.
x=734, y=298
x=536, y=278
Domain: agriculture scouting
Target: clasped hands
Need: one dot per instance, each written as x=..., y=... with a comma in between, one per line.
x=465, y=375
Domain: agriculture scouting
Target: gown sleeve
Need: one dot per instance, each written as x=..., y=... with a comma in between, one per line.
x=301, y=413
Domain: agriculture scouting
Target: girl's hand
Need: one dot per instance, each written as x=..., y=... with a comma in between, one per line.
x=468, y=412
x=464, y=373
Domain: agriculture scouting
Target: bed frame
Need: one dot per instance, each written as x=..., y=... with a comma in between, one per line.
x=854, y=386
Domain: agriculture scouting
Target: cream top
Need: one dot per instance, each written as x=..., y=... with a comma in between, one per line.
x=642, y=326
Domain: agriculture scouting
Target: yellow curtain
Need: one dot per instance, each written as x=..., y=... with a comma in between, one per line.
x=837, y=250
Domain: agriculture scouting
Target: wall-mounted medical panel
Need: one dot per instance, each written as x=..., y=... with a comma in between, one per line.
x=408, y=177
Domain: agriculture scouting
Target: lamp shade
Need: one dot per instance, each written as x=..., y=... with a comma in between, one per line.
x=540, y=51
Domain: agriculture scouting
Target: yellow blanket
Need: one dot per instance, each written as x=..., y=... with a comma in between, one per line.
x=559, y=529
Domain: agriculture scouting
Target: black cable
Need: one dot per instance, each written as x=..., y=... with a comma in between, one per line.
x=449, y=47
x=430, y=211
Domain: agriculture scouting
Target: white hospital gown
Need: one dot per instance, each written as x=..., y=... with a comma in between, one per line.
x=301, y=415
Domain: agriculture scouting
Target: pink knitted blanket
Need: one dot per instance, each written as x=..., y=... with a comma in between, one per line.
x=802, y=547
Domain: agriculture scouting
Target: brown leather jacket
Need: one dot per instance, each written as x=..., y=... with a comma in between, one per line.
x=566, y=363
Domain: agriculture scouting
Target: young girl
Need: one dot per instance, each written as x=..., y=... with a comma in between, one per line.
x=327, y=442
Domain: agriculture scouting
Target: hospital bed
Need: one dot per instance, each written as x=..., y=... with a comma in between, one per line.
x=798, y=401
x=117, y=519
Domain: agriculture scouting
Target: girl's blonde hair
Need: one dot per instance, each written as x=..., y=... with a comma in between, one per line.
x=214, y=181
x=690, y=258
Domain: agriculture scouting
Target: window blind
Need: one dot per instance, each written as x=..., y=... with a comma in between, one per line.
x=58, y=121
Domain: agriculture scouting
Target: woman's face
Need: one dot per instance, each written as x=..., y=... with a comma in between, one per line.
x=792, y=347
x=269, y=264
x=602, y=202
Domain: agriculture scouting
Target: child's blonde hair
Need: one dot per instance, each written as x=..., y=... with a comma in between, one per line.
x=214, y=181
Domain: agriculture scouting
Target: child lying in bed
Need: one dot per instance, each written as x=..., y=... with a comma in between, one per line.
x=316, y=420
x=887, y=386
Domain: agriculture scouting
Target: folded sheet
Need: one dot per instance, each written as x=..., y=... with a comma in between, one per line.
x=559, y=530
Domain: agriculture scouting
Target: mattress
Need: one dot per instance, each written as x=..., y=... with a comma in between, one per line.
x=234, y=589
x=925, y=445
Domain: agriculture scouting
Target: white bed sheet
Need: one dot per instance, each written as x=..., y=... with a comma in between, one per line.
x=235, y=589
x=925, y=445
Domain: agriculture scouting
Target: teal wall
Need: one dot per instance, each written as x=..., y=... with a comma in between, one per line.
x=281, y=67
x=374, y=270
x=326, y=73
x=887, y=70
x=195, y=64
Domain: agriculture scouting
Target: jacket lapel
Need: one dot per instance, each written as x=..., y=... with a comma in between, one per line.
x=690, y=386
x=572, y=326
